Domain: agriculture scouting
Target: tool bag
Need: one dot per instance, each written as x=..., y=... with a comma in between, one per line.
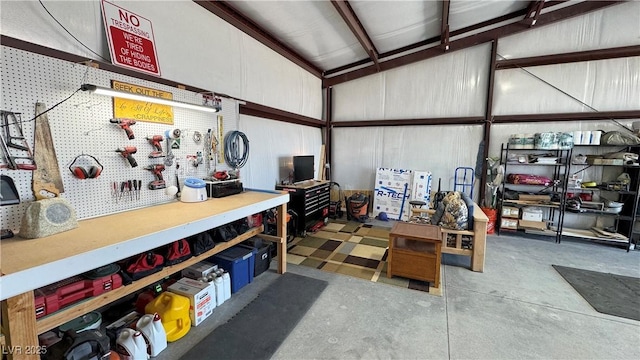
x=86, y=345
x=144, y=265
x=224, y=233
x=357, y=206
x=200, y=243
x=177, y=252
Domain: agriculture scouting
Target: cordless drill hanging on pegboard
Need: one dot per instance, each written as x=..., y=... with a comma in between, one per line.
x=155, y=141
x=125, y=124
x=159, y=182
x=127, y=153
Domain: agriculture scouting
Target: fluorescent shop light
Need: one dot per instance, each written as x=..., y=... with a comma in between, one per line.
x=133, y=96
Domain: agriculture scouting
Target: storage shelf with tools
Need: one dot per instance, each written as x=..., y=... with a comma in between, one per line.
x=612, y=174
x=533, y=190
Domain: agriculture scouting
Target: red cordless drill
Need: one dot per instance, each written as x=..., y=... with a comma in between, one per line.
x=125, y=125
x=155, y=142
x=127, y=152
x=159, y=182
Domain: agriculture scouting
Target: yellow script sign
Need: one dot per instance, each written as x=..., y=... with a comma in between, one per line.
x=142, y=110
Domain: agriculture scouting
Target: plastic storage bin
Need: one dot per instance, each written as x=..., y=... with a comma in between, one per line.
x=262, y=254
x=239, y=261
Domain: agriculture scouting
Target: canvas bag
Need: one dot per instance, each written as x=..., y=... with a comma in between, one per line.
x=88, y=344
x=199, y=243
x=177, y=252
x=145, y=264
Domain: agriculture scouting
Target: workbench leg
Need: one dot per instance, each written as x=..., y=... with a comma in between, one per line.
x=19, y=327
x=479, y=245
x=281, y=232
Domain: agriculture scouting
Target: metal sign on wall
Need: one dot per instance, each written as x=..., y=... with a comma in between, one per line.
x=142, y=110
x=131, y=40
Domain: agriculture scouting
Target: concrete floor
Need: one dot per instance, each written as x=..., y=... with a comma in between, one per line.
x=519, y=308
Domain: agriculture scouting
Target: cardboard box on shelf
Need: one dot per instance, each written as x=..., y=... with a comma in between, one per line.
x=198, y=270
x=537, y=225
x=510, y=211
x=201, y=298
x=532, y=213
x=508, y=223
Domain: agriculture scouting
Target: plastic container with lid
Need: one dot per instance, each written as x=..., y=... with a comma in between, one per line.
x=193, y=190
x=173, y=310
x=532, y=213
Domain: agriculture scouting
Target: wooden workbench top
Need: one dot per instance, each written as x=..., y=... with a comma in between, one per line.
x=106, y=239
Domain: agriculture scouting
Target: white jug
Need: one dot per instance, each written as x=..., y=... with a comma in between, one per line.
x=226, y=281
x=132, y=345
x=151, y=327
x=219, y=285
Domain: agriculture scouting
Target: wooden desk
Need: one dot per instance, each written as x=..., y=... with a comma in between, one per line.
x=415, y=252
x=28, y=264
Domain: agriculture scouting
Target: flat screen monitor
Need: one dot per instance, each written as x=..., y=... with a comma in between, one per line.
x=303, y=168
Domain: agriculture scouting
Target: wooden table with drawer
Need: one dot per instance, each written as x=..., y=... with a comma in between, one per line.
x=415, y=252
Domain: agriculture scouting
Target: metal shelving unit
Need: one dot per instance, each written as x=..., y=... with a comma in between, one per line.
x=558, y=173
x=624, y=222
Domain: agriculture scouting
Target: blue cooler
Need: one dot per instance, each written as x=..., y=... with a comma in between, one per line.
x=239, y=262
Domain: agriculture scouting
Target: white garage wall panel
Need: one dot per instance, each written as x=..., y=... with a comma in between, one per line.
x=614, y=26
x=451, y=85
x=605, y=85
x=273, y=144
x=194, y=47
x=407, y=147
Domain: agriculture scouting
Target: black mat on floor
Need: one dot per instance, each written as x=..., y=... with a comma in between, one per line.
x=608, y=293
x=257, y=331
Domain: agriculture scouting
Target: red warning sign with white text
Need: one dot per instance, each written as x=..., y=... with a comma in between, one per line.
x=131, y=39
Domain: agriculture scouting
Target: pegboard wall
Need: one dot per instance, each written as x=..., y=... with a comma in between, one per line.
x=80, y=126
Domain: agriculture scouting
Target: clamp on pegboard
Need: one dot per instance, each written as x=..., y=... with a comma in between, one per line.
x=210, y=99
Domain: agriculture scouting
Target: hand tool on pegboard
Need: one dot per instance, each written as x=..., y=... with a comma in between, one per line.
x=156, y=142
x=159, y=182
x=127, y=153
x=12, y=137
x=125, y=124
x=47, y=181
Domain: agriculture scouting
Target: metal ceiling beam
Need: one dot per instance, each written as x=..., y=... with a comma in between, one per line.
x=469, y=120
x=533, y=11
x=589, y=55
x=444, y=29
x=466, y=42
x=266, y=112
x=351, y=19
x=580, y=116
x=226, y=12
x=513, y=15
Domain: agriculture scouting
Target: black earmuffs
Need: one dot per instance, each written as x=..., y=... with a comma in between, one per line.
x=90, y=172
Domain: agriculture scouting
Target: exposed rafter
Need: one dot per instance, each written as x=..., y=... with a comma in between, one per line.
x=471, y=120
x=444, y=29
x=580, y=116
x=226, y=12
x=466, y=42
x=468, y=29
x=266, y=112
x=349, y=17
x=533, y=12
x=589, y=55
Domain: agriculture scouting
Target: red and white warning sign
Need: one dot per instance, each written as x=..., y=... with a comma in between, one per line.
x=131, y=39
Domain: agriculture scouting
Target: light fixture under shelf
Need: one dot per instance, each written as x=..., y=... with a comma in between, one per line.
x=99, y=90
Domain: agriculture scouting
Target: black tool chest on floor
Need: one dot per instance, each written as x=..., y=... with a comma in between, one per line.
x=310, y=200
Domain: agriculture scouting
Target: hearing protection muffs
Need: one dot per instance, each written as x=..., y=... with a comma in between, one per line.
x=90, y=172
